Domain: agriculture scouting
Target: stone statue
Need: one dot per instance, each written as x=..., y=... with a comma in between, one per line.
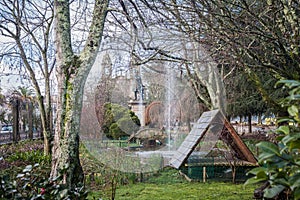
x=139, y=93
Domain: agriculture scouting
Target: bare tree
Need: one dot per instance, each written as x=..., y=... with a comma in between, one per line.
x=150, y=31
x=103, y=90
x=72, y=71
x=25, y=27
x=248, y=34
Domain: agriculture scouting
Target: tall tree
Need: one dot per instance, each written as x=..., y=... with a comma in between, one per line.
x=25, y=30
x=244, y=100
x=72, y=71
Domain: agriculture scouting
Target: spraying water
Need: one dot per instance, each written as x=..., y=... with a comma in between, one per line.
x=169, y=100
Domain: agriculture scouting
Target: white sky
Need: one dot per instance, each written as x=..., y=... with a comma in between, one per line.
x=10, y=79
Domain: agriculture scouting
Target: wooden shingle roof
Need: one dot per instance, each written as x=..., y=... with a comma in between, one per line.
x=213, y=123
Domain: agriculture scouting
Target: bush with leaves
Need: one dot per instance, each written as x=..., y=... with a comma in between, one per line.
x=280, y=161
x=29, y=184
x=119, y=121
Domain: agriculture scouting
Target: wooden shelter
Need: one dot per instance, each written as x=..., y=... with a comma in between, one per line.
x=211, y=127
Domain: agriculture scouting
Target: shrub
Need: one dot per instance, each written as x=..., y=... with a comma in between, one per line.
x=31, y=157
x=119, y=121
x=280, y=161
x=30, y=184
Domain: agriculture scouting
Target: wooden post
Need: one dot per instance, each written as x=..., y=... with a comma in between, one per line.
x=204, y=174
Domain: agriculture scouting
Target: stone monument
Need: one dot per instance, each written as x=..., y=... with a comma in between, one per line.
x=138, y=104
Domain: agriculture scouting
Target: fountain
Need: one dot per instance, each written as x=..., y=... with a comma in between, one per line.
x=169, y=100
x=162, y=100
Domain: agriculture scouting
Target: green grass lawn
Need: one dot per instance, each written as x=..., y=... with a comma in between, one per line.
x=193, y=190
x=166, y=184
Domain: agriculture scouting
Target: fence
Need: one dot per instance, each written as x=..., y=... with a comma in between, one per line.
x=6, y=138
x=210, y=168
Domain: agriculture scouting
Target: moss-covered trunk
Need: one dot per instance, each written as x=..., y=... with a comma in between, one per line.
x=65, y=155
x=72, y=71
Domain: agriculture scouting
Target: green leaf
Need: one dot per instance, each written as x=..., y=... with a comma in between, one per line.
x=295, y=181
x=268, y=147
x=293, y=110
x=273, y=191
x=288, y=138
x=254, y=180
x=294, y=145
x=282, y=181
x=262, y=175
x=289, y=83
x=256, y=170
x=283, y=129
x=297, y=193
x=287, y=157
x=295, y=97
x=264, y=156
x=279, y=138
x=285, y=120
x=279, y=175
x=283, y=149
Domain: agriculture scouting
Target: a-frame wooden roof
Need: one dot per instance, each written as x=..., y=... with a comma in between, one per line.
x=213, y=123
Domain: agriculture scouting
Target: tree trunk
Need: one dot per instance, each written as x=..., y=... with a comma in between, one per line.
x=250, y=123
x=188, y=121
x=207, y=72
x=65, y=154
x=48, y=124
x=259, y=118
x=233, y=168
x=15, y=110
x=24, y=119
x=30, y=120
x=72, y=72
x=45, y=120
